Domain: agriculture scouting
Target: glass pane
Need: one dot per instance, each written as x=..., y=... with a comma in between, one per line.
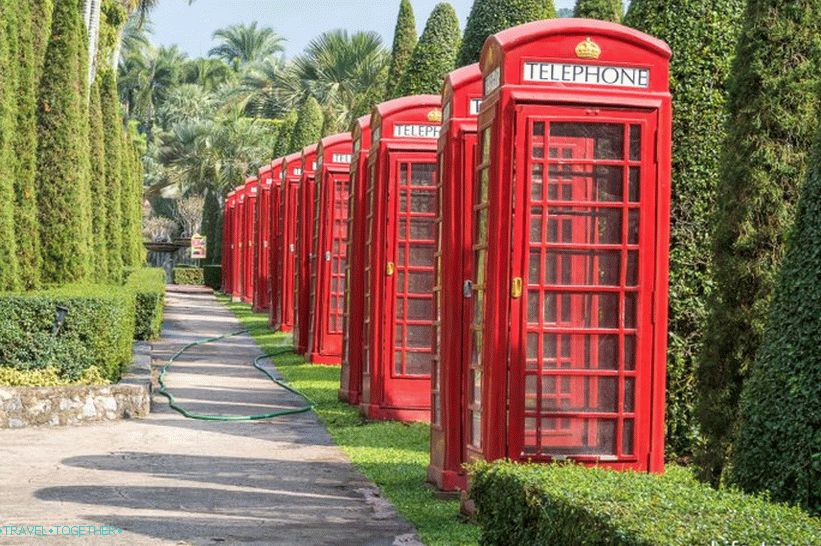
x=423, y=201
x=421, y=255
x=586, y=225
x=419, y=309
x=582, y=310
x=420, y=229
x=422, y=174
x=629, y=394
x=417, y=363
x=584, y=267
x=629, y=352
x=578, y=394
x=420, y=336
x=633, y=227
x=632, y=268
x=634, y=194
x=627, y=434
x=538, y=128
x=420, y=282
x=476, y=429
x=580, y=351
x=605, y=140
x=635, y=142
x=630, y=309
x=536, y=225
x=579, y=436
x=531, y=392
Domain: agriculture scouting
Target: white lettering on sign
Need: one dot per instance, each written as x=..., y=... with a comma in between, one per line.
x=341, y=158
x=313, y=166
x=475, y=105
x=493, y=80
x=297, y=171
x=415, y=131
x=619, y=76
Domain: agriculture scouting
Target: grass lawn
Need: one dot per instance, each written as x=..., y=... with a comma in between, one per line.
x=393, y=455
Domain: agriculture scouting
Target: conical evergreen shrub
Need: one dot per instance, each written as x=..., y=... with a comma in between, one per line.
x=703, y=35
x=25, y=151
x=606, y=10
x=404, y=41
x=128, y=198
x=60, y=159
x=491, y=16
x=286, y=130
x=434, y=55
x=772, y=121
x=211, y=214
x=308, y=128
x=778, y=441
x=9, y=274
x=41, y=15
x=112, y=132
x=99, y=217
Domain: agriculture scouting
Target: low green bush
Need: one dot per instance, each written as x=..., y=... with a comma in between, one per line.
x=148, y=286
x=568, y=505
x=187, y=275
x=48, y=377
x=212, y=276
x=97, y=332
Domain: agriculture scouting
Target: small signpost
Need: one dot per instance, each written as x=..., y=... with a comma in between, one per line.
x=198, y=247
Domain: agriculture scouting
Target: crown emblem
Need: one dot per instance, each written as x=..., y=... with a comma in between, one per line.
x=435, y=115
x=588, y=49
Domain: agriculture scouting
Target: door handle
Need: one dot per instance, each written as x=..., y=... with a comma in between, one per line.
x=327, y=255
x=516, y=288
x=467, y=289
x=389, y=269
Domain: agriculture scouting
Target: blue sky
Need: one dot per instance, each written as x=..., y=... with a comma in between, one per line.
x=190, y=27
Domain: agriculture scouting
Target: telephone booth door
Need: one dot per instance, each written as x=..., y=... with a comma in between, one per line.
x=305, y=260
x=290, y=193
x=227, y=242
x=328, y=283
x=275, y=253
x=579, y=385
x=248, y=279
x=239, y=246
x=411, y=243
x=262, y=246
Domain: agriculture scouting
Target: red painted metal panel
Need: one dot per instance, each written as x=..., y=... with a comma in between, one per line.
x=291, y=175
x=400, y=241
x=330, y=249
x=228, y=241
x=249, y=228
x=461, y=97
x=275, y=256
x=350, y=388
x=305, y=260
x=238, y=237
x=262, y=242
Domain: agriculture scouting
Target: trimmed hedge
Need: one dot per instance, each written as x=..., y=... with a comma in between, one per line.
x=434, y=55
x=404, y=41
x=491, y=16
x=308, y=127
x=9, y=272
x=188, y=275
x=778, y=444
x=703, y=36
x=212, y=276
x=568, y=505
x=771, y=128
x=148, y=287
x=606, y=10
x=48, y=377
x=98, y=330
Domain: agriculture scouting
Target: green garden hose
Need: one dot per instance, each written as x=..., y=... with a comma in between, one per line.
x=193, y=415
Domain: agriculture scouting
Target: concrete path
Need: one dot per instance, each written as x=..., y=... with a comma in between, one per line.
x=171, y=480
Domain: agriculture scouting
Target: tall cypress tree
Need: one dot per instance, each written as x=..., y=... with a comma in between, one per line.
x=404, y=41
x=308, y=128
x=434, y=55
x=606, y=10
x=210, y=223
x=778, y=441
x=286, y=130
x=99, y=218
x=9, y=274
x=84, y=212
x=127, y=198
x=25, y=151
x=41, y=15
x=491, y=16
x=703, y=35
x=771, y=127
x=137, y=204
x=112, y=131
x=60, y=161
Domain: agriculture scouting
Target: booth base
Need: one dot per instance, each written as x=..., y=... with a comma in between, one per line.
x=236, y=299
x=328, y=360
x=352, y=398
x=408, y=415
x=259, y=308
x=447, y=480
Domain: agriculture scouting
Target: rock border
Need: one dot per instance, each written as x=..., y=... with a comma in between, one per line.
x=22, y=407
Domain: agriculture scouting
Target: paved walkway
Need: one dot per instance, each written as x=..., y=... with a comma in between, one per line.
x=171, y=480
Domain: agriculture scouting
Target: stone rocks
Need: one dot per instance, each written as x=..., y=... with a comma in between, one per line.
x=54, y=406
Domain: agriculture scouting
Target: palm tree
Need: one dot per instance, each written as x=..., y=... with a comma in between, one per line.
x=210, y=74
x=240, y=45
x=186, y=102
x=267, y=89
x=345, y=73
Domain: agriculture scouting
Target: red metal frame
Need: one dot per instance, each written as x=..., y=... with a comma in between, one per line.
x=275, y=256
x=461, y=97
x=329, y=246
x=291, y=175
x=238, y=237
x=350, y=384
x=249, y=228
x=262, y=242
x=227, y=242
x=399, y=269
x=305, y=258
x=567, y=347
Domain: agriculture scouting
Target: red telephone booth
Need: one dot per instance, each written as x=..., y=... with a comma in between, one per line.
x=400, y=242
x=291, y=175
x=251, y=192
x=262, y=241
x=327, y=298
x=350, y=384
x=570, y=247
x=275, y=255
x=305, y=259
x=227, y=242
x=238, y=228
x=461, y=97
